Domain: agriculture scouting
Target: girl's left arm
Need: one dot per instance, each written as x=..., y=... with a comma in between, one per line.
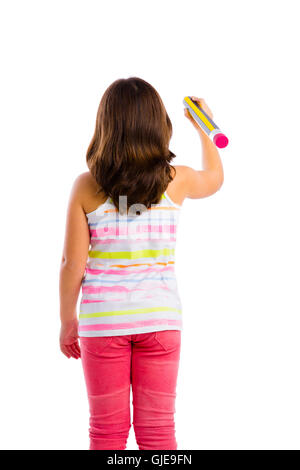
x=75, y=253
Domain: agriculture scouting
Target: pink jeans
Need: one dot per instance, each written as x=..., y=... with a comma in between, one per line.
x=148, y=361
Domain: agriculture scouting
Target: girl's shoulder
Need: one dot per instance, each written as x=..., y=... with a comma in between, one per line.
x=87, y=190
x=176, y=189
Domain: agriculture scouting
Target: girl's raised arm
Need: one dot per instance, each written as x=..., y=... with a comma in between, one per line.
x=202, y=183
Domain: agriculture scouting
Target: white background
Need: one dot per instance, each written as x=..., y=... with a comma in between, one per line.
x=237, y=251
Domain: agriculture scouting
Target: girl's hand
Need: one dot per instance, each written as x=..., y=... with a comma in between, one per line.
x=201, y=103
x=68, y=339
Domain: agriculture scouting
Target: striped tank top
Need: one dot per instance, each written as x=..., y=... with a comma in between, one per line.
x=129, y=285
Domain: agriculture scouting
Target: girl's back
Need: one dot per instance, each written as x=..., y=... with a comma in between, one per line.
x=129, y=285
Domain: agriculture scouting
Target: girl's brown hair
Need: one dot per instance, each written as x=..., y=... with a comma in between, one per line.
x=129, y=153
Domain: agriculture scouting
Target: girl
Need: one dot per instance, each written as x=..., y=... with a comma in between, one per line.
x=119, y=247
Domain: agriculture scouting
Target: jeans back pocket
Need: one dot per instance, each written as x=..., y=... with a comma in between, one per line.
x=95, y=344
x=168, y=339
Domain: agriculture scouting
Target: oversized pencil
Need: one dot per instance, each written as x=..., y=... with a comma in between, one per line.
x=207, y=124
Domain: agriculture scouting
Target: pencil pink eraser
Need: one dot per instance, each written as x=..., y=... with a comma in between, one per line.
x=220, y=140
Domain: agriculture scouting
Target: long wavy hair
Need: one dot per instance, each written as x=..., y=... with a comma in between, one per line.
x=129, y=153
